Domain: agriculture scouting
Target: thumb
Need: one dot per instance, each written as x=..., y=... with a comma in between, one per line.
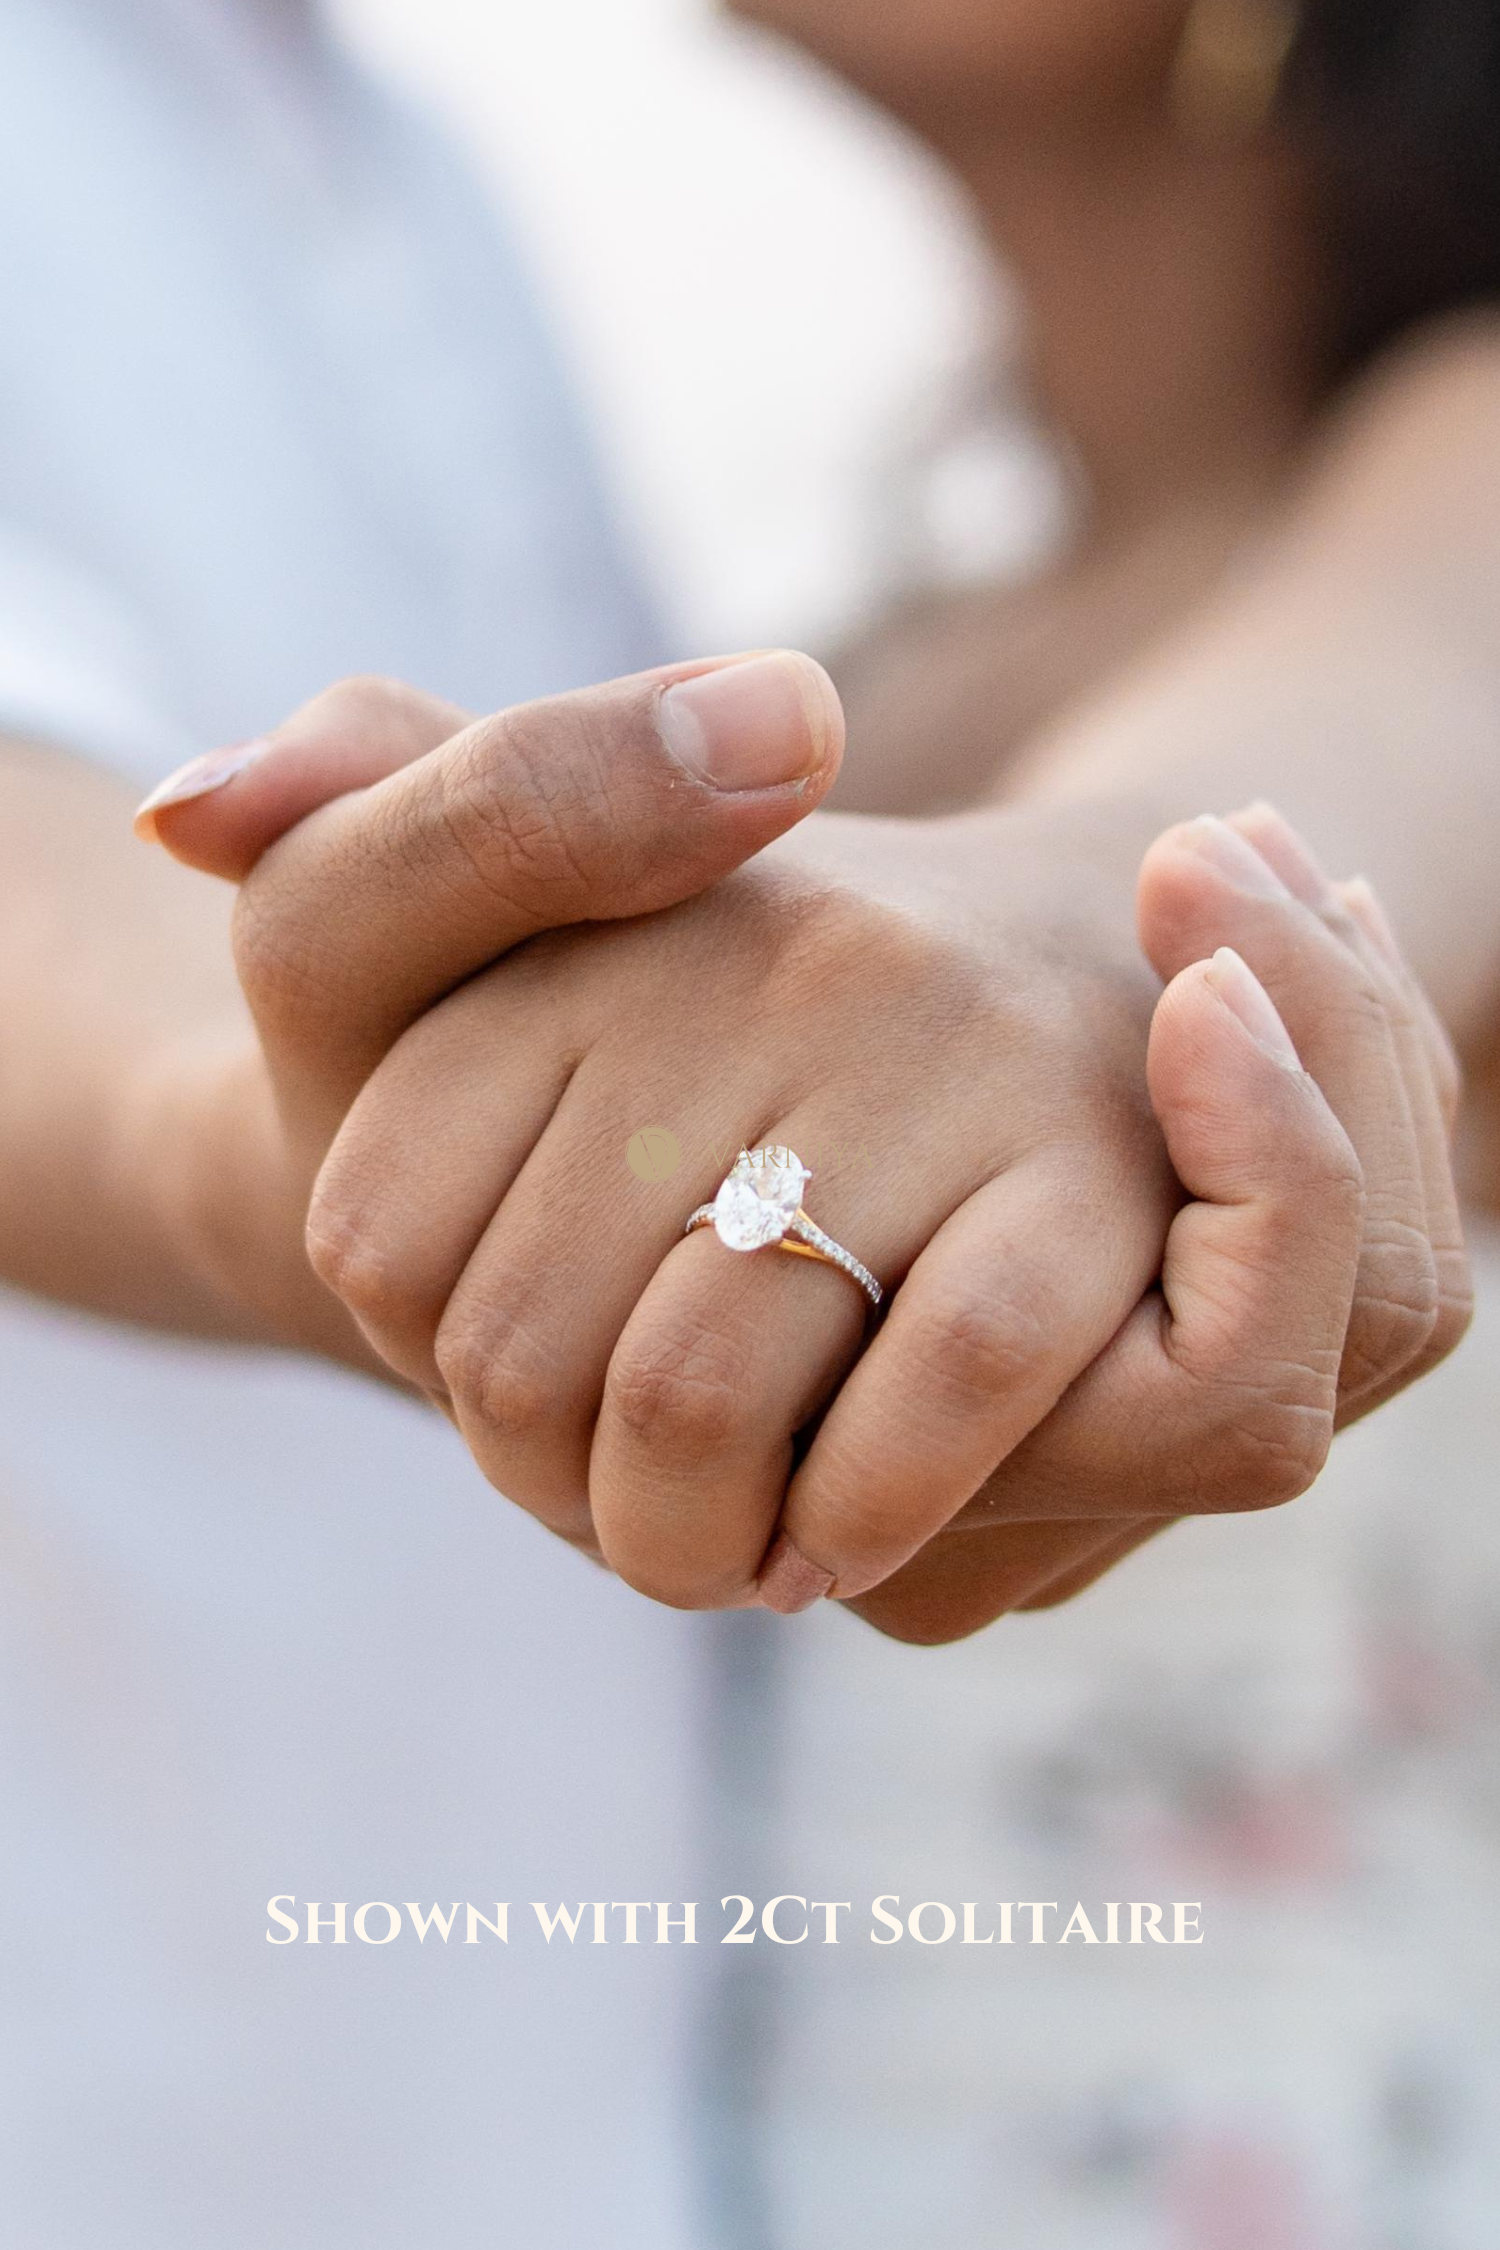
x=614, y=801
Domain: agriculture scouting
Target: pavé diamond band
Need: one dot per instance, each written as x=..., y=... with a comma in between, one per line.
x=759, y=1207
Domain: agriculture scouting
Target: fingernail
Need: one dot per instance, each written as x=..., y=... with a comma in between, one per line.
x=790, y=1583
x=1246, y=997
x=1273, y=836
x=756, y=725
x=198, y=778
x=1362, y=902
x=1238, y=862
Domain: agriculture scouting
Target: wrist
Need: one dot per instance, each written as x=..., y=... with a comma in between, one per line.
x=200, y=1144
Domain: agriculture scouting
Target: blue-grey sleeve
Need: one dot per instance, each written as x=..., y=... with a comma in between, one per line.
x=72, y=670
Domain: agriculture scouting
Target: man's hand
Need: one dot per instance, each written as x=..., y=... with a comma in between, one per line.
x=1319, y=1272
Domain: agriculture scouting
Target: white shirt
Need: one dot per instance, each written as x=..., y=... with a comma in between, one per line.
x=275, y=406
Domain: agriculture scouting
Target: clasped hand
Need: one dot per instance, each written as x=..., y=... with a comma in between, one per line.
x=1154, y=1217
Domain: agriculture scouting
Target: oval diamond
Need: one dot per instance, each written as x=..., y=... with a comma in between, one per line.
x=758, y=1202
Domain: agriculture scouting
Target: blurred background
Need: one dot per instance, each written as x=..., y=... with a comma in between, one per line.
x=785, y=326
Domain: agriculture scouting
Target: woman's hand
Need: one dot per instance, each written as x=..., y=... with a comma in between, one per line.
x=946, y=1022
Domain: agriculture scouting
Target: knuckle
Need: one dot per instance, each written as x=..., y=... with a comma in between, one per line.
x=679, y=1392
x=347, y=1257
x=518, y=813
x=502, y=1380
x=973, y=1349
x=1396, y=1305
x=1267, y=1442
x=357, y=1257
x=1269, y=1452
x=1331, y=1171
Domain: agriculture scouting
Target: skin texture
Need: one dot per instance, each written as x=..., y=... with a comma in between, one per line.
x=966, y=995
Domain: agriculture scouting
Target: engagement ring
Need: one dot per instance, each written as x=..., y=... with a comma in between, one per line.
x=759, y=1207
